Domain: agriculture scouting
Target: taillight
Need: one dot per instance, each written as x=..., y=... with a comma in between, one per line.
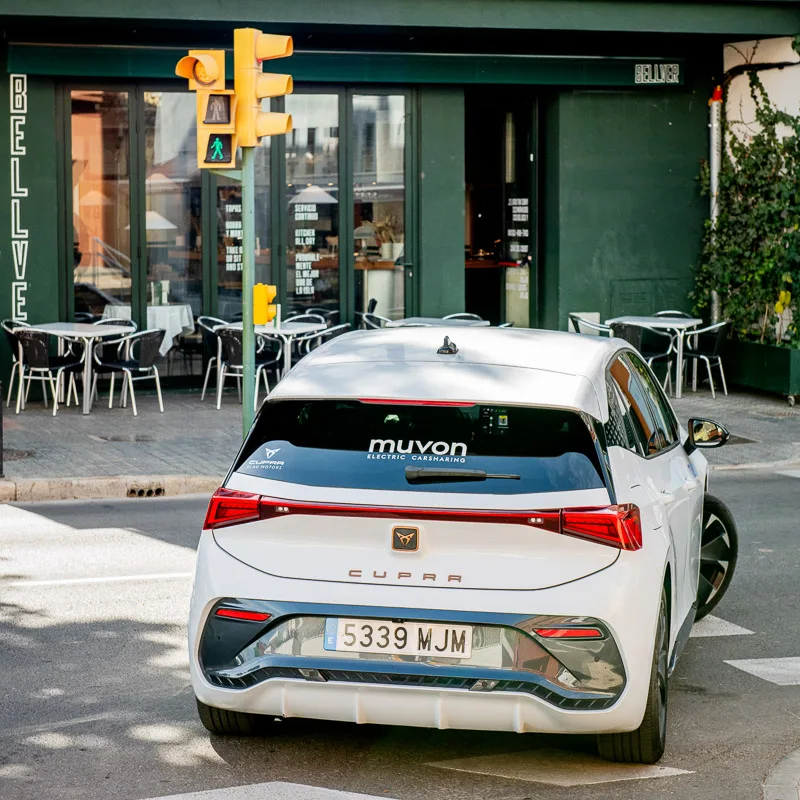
x=228, y=507
x=616, y=526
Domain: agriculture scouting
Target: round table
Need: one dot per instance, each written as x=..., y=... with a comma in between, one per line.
x=175, y=319
x=86, y=334
x=286, y=331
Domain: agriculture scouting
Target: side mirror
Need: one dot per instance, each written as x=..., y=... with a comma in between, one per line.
x=705, y=433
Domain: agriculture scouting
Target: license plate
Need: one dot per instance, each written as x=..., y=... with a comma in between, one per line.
x=398, y=638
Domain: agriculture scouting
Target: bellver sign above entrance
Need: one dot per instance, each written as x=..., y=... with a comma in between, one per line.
x=228, y=119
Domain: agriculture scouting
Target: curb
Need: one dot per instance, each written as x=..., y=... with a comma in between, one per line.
x=755, y=465
x=33, y=489
x=783, y=780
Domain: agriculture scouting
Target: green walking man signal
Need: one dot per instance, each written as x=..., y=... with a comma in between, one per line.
x=219, y=149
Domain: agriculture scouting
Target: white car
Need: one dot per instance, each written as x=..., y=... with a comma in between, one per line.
x=500, y=530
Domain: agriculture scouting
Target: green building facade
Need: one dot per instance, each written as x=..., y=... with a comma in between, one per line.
x=520, y=159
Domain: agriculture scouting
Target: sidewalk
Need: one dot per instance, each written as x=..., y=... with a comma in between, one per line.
x=189, y=448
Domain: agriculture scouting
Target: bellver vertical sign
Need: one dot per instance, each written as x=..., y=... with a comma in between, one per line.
x=229, y=119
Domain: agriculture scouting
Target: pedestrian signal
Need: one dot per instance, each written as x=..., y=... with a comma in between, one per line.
x=216, y=107
x=218, y=149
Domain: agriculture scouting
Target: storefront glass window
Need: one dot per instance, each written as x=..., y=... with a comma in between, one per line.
x=229, y=235
x=100, y=201
x=379, y=197
x=312, y=195
x=173, y=258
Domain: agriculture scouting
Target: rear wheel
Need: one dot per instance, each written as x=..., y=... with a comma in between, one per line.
x=646, y=744
x=234, y=723
x=718, y=552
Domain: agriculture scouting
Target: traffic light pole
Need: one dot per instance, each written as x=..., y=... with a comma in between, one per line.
x=248, y=280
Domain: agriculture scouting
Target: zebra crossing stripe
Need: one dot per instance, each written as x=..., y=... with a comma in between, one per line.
x=274, y=790
x=714, y=626
x=780, y=671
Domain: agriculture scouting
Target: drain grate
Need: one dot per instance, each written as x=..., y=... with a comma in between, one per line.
x=133, y=438
x=17, y=455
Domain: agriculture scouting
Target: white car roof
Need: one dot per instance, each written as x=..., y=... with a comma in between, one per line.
x=492, y=365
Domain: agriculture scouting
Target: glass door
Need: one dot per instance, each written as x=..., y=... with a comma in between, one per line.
x=379, y=200
x=312, y=203
x=173, y=266
x=101, y=201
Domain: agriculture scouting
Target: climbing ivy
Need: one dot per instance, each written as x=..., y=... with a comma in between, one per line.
x=751, y=257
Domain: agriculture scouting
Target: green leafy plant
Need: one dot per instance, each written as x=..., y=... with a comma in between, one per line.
x=751, y=257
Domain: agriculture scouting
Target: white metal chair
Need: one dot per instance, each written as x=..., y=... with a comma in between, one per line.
x=585, y=326
x=208, y=326
x=374, y=321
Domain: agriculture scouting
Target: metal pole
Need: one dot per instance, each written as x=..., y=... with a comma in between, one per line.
x=248, y=279
x=715, y=163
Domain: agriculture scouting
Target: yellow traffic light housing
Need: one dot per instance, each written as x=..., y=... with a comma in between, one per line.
x=263, y=309
x=250, y=48
x=204, y=69
x=216, y=107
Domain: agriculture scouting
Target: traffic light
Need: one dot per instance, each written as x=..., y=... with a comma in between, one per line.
x=263, y=309
x=216, y=107
x=250, y=48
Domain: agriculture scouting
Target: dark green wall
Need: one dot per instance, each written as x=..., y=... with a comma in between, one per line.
x=39, y=210
x=742, y=17
x=440, y=276
x=622, y=213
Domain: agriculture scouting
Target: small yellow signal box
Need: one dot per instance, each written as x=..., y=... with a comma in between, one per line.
x=263, y=309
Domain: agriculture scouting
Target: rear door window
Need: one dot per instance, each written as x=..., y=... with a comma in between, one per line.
x=426, y=448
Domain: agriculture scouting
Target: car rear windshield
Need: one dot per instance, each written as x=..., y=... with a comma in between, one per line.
x=425, y=448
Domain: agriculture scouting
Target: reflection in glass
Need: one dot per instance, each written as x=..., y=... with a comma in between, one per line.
x=379, y=202
x=100, y=201
x=174, y=269
x=229, y=235
x=312, y=194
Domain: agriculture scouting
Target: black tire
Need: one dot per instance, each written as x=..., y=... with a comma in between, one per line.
x=646, y=744
x=718, y=553
x=234, y=723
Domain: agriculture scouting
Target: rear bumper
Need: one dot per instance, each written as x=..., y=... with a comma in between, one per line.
x=623, y=598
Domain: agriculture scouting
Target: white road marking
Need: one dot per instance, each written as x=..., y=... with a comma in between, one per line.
x=790, y=473
x=160, y=576
x=275, y=790
x=714, y=626
x=557, y=768
x=780, y=671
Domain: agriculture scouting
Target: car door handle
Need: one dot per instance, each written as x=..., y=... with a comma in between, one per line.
x=691, y=486
x=667, y=498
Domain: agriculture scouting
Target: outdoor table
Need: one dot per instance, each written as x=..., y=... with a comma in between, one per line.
x=678, y=324
x=286, y=331
x=85, y=333
x=175, y=319
x=438, y=322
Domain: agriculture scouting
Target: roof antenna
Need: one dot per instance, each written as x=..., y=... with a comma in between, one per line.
x=448, y=348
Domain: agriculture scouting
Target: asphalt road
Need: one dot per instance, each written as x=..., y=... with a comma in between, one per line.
x=95, y=699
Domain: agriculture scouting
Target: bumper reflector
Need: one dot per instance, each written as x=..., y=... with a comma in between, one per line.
x=238, y=613
x=569, y=633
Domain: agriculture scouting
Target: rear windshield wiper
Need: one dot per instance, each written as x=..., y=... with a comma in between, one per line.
x=429, y=475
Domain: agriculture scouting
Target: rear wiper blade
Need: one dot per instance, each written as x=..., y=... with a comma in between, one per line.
x=431, y=475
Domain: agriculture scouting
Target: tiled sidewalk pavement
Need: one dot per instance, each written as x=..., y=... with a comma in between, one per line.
x=771, y=425
x=189, y=438
x=193, y=438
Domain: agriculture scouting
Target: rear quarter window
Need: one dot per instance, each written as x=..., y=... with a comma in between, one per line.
x=354, y=444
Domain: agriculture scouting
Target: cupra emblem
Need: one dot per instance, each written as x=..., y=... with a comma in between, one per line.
x=269, y=453
x=406, y=539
